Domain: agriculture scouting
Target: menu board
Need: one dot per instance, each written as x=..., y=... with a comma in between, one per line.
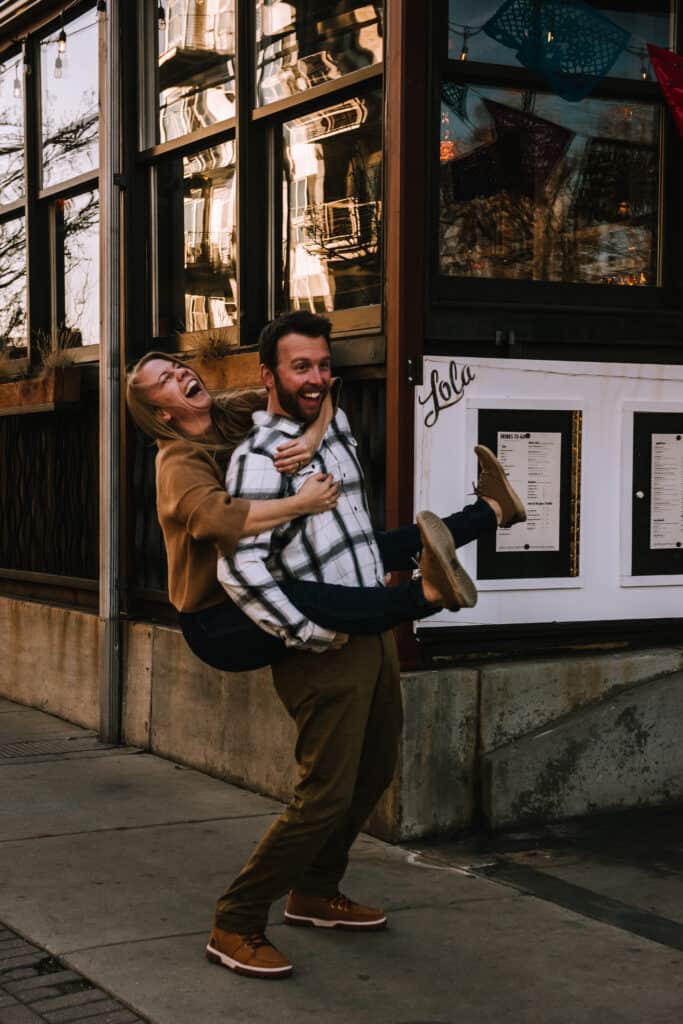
x=533, y=463
x=657, y=502
x=666, y=507
x=540, y=452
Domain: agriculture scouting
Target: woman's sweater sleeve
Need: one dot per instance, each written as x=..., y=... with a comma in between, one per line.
x=191, y=493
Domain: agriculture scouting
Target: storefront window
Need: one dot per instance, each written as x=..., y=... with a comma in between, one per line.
x=197, y=241
x=301, y=44
x=332, y=206
x=196, y=66
x=536, y=188
x=69, y=99
x=519, y=21
x=11, y=131
x=78, y=247
x=13, y=287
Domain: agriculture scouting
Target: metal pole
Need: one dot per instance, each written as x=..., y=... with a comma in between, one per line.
x=110, y=336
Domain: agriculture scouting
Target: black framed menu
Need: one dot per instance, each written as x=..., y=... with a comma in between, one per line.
x=540, y=450
x=657, y=497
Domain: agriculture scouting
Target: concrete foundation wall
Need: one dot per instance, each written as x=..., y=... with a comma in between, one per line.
x=513, y=742
x=49, y=659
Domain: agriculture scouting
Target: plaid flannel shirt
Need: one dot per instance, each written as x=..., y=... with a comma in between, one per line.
x=331, y=547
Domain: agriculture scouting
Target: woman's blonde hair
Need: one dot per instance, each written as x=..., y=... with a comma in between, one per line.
x=231, y=416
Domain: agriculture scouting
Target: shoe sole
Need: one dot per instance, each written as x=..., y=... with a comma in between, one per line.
x=223, y=960
x=493, y=465
x=320, y=922
x=454, y=577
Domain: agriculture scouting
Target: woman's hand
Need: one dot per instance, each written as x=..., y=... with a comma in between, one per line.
x=320, y=493
x=293, y=455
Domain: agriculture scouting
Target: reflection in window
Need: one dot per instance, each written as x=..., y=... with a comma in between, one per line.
x=197, y=242
x=301, y=44
x=536, y=188
x=645, y=21
x=332, y=207
x=11, y=131
x=78, y=247
x=196, y=66
x=13, y=287
x=69, y=99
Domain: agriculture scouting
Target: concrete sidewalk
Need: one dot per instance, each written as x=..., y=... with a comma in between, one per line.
x=110, y=861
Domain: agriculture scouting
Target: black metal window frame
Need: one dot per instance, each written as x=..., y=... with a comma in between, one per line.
x=255, y=129
x=38, y=203
x=547, y=319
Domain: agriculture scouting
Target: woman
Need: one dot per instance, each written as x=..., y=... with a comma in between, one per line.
x=195, y=436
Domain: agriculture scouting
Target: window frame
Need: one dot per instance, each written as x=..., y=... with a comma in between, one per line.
x=519, y=317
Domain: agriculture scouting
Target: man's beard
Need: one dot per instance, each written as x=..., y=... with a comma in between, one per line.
x=289, y=401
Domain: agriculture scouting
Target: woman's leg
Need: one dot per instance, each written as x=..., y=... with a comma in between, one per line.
x=227, y=639
x=359, y=610
x=398, y=548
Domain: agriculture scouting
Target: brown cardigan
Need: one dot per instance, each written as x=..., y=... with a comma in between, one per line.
x=198, y=519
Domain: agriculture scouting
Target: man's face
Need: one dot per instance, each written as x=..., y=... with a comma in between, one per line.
x=301, y=380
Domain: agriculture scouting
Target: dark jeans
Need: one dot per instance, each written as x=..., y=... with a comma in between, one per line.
x=224, y=637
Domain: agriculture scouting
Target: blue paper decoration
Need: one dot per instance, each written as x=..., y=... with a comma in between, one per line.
x=571, y=45
x=455, y=97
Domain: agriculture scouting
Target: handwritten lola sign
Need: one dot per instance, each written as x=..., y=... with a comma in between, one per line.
x=444, y=392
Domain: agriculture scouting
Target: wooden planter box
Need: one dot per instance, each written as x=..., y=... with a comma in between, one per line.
x=238, y=371
x=45, y=394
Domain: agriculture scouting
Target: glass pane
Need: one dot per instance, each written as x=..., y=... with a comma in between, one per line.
x=78, y=243
x=11, y=131
x=332, y=206
x=196, y=66
x=69, y=96
x=538, y=189
x=646, y=22
x=304, y=43
x=13, y=287
x=197, y=243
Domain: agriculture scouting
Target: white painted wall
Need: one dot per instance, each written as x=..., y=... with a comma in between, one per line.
x=607, y=394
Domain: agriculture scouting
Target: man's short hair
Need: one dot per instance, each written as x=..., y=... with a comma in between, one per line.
x=300, y=321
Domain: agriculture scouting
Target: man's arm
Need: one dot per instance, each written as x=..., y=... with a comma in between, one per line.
x=245, y=575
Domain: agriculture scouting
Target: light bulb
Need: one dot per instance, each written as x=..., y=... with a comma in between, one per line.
x=16, y=88
x=162, y=16
x=61, y=41
x=58, y=67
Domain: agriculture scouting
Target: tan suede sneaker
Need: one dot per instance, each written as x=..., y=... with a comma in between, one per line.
x=337, y=912
x=439, y=565
x=493, y=483
x=252, y=955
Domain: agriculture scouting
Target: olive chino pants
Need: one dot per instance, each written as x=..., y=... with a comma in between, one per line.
x=347, y=708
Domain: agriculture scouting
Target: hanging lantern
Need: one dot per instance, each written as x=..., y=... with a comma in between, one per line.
x=669, y=71
x=570, y=44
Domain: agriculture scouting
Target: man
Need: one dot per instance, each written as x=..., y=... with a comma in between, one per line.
x=345, y=703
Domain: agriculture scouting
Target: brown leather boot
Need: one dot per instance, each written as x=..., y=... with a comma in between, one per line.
x=440, y=567
x=335, y=912
x=252, y=954
x=493, y=483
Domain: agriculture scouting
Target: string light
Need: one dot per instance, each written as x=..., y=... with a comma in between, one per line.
x=162, y=16
x=16, y=88
x=61, y=40
x=464, y=53
x=58, y=67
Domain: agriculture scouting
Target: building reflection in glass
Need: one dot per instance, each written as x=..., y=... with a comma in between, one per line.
x=78, y=248
x=649, y=21
x=196, y=66
x=307, y=42
x=197, y=241
x=13, y=286
x=11, y=131
x=332, y=206
x=68, y=106
x=535, y=188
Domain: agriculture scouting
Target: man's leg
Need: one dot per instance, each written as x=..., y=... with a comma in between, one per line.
x=329, y=696
x=376, y=770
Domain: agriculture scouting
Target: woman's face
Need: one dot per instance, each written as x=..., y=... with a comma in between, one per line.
x=179, y=395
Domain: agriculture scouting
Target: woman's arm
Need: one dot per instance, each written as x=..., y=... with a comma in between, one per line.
x=318, y=494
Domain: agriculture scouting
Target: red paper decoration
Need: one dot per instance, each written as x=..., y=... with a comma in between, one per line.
x=669, y=70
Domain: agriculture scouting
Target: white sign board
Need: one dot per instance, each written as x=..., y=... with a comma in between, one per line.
x=606, y=396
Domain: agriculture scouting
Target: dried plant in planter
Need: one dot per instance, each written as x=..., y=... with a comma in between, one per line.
x=53, y=356
x=214, y=347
